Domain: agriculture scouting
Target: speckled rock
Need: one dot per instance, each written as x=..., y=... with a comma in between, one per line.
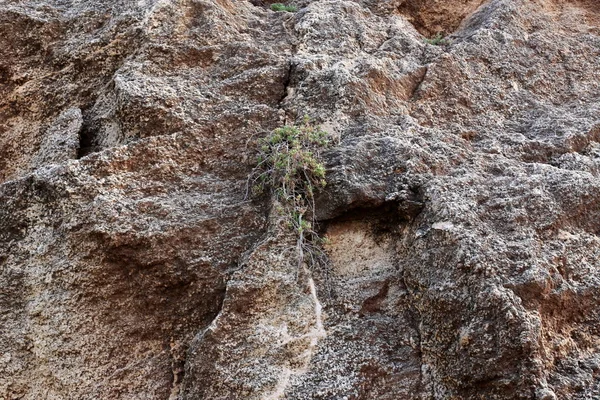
x=462, y=209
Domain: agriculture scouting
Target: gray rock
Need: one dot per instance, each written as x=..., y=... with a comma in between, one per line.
x=461, y=209
x=61, y=141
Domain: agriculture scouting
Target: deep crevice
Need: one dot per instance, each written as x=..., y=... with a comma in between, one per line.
x=406, y=203
x=88, y=136
x=386, y=217
x=286, y=83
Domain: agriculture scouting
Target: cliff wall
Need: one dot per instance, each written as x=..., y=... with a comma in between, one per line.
x=462, y=206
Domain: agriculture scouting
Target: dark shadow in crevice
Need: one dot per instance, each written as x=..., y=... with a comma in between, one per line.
x=339, y=202
x=5, y=75
x=384, y=218
x=88, y=136
x=86, y=142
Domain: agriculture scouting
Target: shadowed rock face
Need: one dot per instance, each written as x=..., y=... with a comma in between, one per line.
x=462, y=205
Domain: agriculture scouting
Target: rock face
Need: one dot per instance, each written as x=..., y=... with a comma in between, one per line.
x=462, y=209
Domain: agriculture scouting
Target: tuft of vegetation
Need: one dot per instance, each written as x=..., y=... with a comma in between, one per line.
x=283, y=7
x=437, y=40
x=290, y=167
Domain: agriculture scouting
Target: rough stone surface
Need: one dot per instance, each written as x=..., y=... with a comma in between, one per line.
x=462, y=207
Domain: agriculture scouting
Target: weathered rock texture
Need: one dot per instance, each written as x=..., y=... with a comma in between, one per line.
x=462, y=210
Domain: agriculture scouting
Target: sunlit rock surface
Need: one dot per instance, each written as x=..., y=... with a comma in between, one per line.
x=462, y=208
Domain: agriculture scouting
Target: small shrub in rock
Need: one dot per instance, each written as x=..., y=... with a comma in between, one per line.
x=283, y=7
x=437, y=40
x=290, y=167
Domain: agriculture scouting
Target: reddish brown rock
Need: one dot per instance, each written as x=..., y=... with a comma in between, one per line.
x=462, y=205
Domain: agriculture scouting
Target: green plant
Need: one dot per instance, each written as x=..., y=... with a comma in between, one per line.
x=290, y=167
x=437, y=40
x=283, y=7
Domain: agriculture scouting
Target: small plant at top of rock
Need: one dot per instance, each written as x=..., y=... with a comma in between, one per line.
x=437, y=40
x=290, y=167
x=283, y=7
